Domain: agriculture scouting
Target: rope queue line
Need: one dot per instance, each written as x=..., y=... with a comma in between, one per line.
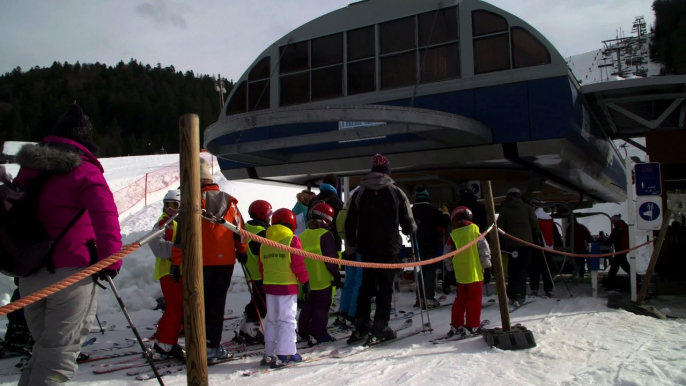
x=128, y=249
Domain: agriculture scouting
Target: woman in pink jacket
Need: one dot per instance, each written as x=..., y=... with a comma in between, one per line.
x=75, y=190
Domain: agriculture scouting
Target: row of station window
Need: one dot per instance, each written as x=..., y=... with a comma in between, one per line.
x=417, y=49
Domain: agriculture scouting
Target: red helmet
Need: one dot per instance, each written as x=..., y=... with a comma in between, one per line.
x=322, y=212
x=260, y=210
x=461, y=213
x=284, y=217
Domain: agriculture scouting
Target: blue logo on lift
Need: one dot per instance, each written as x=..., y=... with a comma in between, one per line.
x=649, y=211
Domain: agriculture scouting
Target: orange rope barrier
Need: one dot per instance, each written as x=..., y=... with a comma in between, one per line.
x=75, y=278
x=586, y=256
x=359, y=264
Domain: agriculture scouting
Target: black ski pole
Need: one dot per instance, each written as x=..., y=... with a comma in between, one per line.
x=252, y=294
x=98, y=319
x=421, y=275
x=146, y=352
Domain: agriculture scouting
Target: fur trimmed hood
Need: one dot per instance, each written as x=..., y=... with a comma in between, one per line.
x=48, y=157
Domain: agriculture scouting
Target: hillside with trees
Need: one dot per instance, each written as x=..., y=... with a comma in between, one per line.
x=134, y=108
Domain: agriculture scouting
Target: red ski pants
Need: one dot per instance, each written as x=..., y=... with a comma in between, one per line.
x=171, y=321
x=468, y=301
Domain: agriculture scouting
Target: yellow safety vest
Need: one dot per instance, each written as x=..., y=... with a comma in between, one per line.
x=466, y=263
x=276, y=264
x=320, y=277
x=162, y=265
x=252, y=265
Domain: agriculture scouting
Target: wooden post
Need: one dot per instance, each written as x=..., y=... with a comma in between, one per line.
x=496, y=257
x=191, y=240
x=653, y=258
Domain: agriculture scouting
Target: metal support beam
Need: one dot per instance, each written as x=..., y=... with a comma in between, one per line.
x=640, y=98
x=636, y=145
x=649, y=124
x=609, y=118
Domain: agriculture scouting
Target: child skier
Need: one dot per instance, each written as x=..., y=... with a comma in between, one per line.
x=468, y=265
x=317, y=238
x=281, y=273
x=250, y=331
x=171, y=323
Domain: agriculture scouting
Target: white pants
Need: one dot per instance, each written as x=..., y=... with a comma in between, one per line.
x=280, y=324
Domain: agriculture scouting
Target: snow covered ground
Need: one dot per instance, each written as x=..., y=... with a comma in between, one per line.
x=580, y=340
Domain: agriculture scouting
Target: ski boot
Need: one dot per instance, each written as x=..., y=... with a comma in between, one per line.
x=217, y=354
x=249, y=333
x=380, y=332
x=168, y=351
x=267, y=361
x=18, y=337
x=283, y=360
x=534, y=293
x=312, y=341
x=362, y=328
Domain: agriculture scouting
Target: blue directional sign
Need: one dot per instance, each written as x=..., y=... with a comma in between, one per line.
x=648, y=181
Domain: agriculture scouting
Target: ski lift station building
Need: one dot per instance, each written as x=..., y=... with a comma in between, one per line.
x=450, y=91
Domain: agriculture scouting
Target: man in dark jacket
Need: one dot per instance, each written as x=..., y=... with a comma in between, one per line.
x=431, y=226
x=517, y=219
x=582, y=237
x=371, y=227
x=329, y=195
x=469, y=200
x=619, y=238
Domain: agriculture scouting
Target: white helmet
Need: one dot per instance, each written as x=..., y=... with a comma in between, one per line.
x=173, y=195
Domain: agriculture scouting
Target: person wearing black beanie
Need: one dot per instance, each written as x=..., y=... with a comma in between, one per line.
x=75, y=125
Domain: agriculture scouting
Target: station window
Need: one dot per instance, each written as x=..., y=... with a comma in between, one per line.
x=397, y=35
x=295, y=58
x=238, y=102
x=295, y=89
x=399, y=70
x=327, y=50
x=492, y=54
x=485, y=23
x=439, y=63
x=361, y=77
x=361, y=43
x=438, y=27
x=258, y=95
x=527, y=51
x=327, y=82
x=260, y=70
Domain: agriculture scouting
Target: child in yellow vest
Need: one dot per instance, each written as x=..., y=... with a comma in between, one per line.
x=281, y=273
x=317, y=238
x=171, y=322
x=468, y=266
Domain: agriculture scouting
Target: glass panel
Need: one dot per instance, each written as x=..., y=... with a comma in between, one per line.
x=399, y=70
x=260, y=71
x=361, y=77
x=327, y=83
x=440, y=63
x=295, y=89
x=527, y=51
x=258, y=95
x=397, y=35
x=443, y=30
x=238, y=100
x=484, y=22
x=492, y=54
x=327, y=50
x=361, y=43
x=295, y=58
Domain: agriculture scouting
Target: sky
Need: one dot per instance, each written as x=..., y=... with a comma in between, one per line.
x=225, y=36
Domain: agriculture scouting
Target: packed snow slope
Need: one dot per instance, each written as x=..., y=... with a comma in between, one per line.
x=580, y=341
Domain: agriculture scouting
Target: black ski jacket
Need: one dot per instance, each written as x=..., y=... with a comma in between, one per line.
x=376, y=211
x=431, y=225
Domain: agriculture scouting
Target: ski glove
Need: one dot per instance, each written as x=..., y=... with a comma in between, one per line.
x=306, y=290
x=336, y=281
x=102, y=275
x=487, y=275
x=242, y=258
x=175, y=272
